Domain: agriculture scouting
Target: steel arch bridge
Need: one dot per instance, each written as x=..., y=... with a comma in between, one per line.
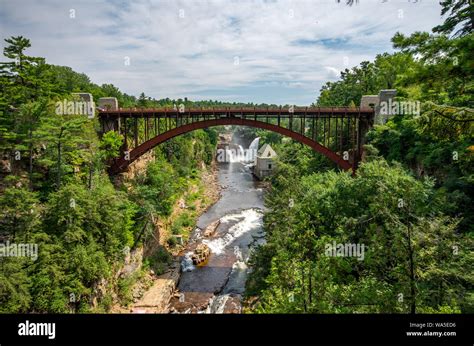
x=335, y=132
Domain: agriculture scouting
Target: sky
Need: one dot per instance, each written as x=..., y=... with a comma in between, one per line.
x=278, y=52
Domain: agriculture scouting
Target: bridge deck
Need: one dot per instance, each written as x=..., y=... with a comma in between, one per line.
x=235, y=112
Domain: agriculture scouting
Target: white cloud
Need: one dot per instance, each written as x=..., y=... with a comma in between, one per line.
x=294, y=44
x=332, y=72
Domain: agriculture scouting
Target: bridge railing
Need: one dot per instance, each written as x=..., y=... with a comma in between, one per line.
x=236, y=110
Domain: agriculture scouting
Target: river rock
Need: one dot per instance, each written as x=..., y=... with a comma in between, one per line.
x=211, y=229
x=233, y=305
x=201, y=253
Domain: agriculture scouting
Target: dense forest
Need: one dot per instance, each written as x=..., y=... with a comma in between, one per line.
x=410, y=203
x=55, y=190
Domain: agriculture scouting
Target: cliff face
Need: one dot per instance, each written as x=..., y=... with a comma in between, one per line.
x=157, y=297
x=138, y=166
x=153, y=288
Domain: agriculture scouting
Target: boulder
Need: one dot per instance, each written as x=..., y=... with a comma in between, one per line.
x=211, y=229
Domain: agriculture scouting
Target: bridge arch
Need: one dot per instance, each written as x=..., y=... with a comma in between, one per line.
x=121, y=163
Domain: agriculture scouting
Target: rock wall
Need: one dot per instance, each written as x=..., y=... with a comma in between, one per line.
x=138, y=166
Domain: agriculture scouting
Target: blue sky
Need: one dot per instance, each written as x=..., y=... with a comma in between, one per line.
x=278, y=52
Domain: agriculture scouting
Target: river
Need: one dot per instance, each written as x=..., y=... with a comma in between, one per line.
x=218, y=284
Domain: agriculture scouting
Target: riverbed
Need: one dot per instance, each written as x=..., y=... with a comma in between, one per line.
x=218, y=284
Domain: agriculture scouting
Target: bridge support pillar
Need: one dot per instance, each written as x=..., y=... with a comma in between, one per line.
x=376, y=101
x=109, y=123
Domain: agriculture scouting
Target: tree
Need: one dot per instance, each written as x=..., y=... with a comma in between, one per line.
x=143, y=100
x=14, y=286
x=19, y=213
x=388, y=71
x=397, y=218
x=23, y=80
x=461, y=18
x=64, y=136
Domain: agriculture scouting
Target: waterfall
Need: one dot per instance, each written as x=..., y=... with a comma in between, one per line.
x=230, y=155
x=241, y=154
x=253, y=147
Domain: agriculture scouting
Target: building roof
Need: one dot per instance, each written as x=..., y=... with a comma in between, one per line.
x=266, y=152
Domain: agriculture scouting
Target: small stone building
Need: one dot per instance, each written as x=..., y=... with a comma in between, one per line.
x=265, y=161
x=375, y=102
x=108, y=103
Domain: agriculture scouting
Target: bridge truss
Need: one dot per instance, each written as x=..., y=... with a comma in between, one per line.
x=336, y=132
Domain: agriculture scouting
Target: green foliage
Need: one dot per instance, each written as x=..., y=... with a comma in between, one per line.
x=429, y=67
x=125, y=285
x=77, y=215
x=60, y=197
x=64, y=138
x=19, y=213
x=184, y=220
x=461, y=17
x=155, y=190
x=395, y=216
x=15, y=296
x=388, y=71
x=110, y=144
x=159, y=260
x=435, y=144
x=23, y=80
x=444, y=71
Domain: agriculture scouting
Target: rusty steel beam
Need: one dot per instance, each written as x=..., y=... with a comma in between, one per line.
x=121, y=164
x=176, y=123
